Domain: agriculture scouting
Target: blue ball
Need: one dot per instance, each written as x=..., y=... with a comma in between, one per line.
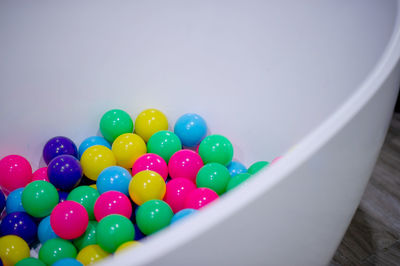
x=2, y=201
x=67, y=262
x=20, y=224
x=45, y=232
x=14, y=203
x=65, y=172
x=182, y=214
x=59, y=146
x=191, y=129
x=236, y=168
x=114, y=178
x=91, y=141
x=138, y=234
x=62, y=195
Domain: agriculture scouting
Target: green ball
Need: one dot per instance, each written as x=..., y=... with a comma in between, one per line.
x=214, y=176
x=153, y=215
x=114, y=230
x=115, y=123
x=216, y=148
x=56, y=249
x=88, y=238
x=39, y=198
x=237, y=180
x=257, y=166
x=86, y=196
x=30, y=262
x=164, y=143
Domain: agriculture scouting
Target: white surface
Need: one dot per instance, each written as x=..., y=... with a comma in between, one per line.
x=267, y=74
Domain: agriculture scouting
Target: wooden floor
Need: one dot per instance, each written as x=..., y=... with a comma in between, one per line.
x=373, y=237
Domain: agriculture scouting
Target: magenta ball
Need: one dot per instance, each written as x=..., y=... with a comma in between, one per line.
x=112, y=202
x=200, y=197
x=15, y=172
x=185, y=163
x=150, y=161
x=177, y=190
x=40, y=174
x=69, y=219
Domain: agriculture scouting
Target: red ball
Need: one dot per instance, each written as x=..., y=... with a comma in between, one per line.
x=15, y=172
x=185, y=163
x=200, y=197
x=176, y=192
x=112, y=202
x=40, y=174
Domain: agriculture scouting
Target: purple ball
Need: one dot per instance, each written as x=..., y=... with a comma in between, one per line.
x=59, y=146
x=64, y=172
x=20, y=224
x=62, y=196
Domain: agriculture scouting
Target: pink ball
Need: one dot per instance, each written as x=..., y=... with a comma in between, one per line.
x=112, y=202
x=177, y=190
x=40, y=174
x=69, y=219
x=150, y=161
x=15, y=172
x=200, y=197
x=276, y=159
x=185, y=163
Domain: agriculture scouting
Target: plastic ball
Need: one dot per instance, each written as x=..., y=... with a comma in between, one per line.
x=115, y=123
x=191, y=129
x=153, y=162
x=14, y=202
x=3, y=201
x=56, y=249
x=13, y=249
x=39, y=198
x=93, y=186
x=91, y=254
x=59, y=146
x=64, y=172
x=216, y=148
x=257, y=166
x=185, y=163
x=88, y=238
x=45, y=232
x=153, y=216
x=67, y=262
x=40, y=174
x=92, y=141
x=138, y=234
x=235, y=168
x=127, y=148
x=112, y=202
x=62, y=195
x=146, y=185
x=182, y=214
x=276, y=159
x=149, y=122
x=164, y=143
x=237, y=180
x=114, y=178
x=86, y=196
x=15, y=172
x=126, y=245
x=95, y=159
x=69, y=219
x=114, y=230
x=30, y=262
x=20, y=224
x=176, y=191
x=200, y=197
x=214, y=176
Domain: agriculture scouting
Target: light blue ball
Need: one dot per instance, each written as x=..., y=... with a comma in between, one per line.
x=114, y=178
x=67, y=262
x=14, y=203
x=236, y=168
x=182, y=214
x=45, y=232
x=91, y=141
x=191, y=129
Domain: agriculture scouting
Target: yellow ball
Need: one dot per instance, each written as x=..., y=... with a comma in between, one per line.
x=146, y=185
x=91, y=254
x=149, y=122
x=95, y=159
x=13, y=249
x=127, y=148
x=93, y=186
x=127, y=245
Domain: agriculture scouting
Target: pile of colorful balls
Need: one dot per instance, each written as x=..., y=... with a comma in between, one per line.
x=94, y=201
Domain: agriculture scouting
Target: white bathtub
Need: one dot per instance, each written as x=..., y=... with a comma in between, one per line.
x=315, y=81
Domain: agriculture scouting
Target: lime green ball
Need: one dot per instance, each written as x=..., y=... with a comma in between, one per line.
x=115, y=123
x=153, y=215
x=216, y=148
x=114, y=230
x=237, y=180
x=164, y=143
x=88, y=238
x=39, y=198
x=214, y=176
x=56, y=249
x=86, y=196
x=257, y=166
x=30, y=262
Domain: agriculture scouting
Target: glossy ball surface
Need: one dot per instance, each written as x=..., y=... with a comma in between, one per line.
x=92, y=141
x=149, y=122
x=191, y=129
x=236, y=167
x=237, y=180
x=112, y=202
x=153, y=216
x=56, y=249
x=199, y=198
x=20, y=224
x=153, y=162
x=115, y=123
x=214, y=176
x=164, y=143
x=126, y=245
x=185, y=164
x=127, y=148
x=257, y=166
x=114, y=178
x=182, y=214
x=91, y=254
x=3, y=201
x=176, y=191
x=88, y=238
x=13, y=249
x=67, y=262
x=30, y=262
x=146, y=185
x=86, y=196
x=59, y=146
x=39, y=198
x=64, y=172
x=95, y=159
x=45, y=232
x=14, y=202
x=40, y=174
x=15, y=172
x=216, y=148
